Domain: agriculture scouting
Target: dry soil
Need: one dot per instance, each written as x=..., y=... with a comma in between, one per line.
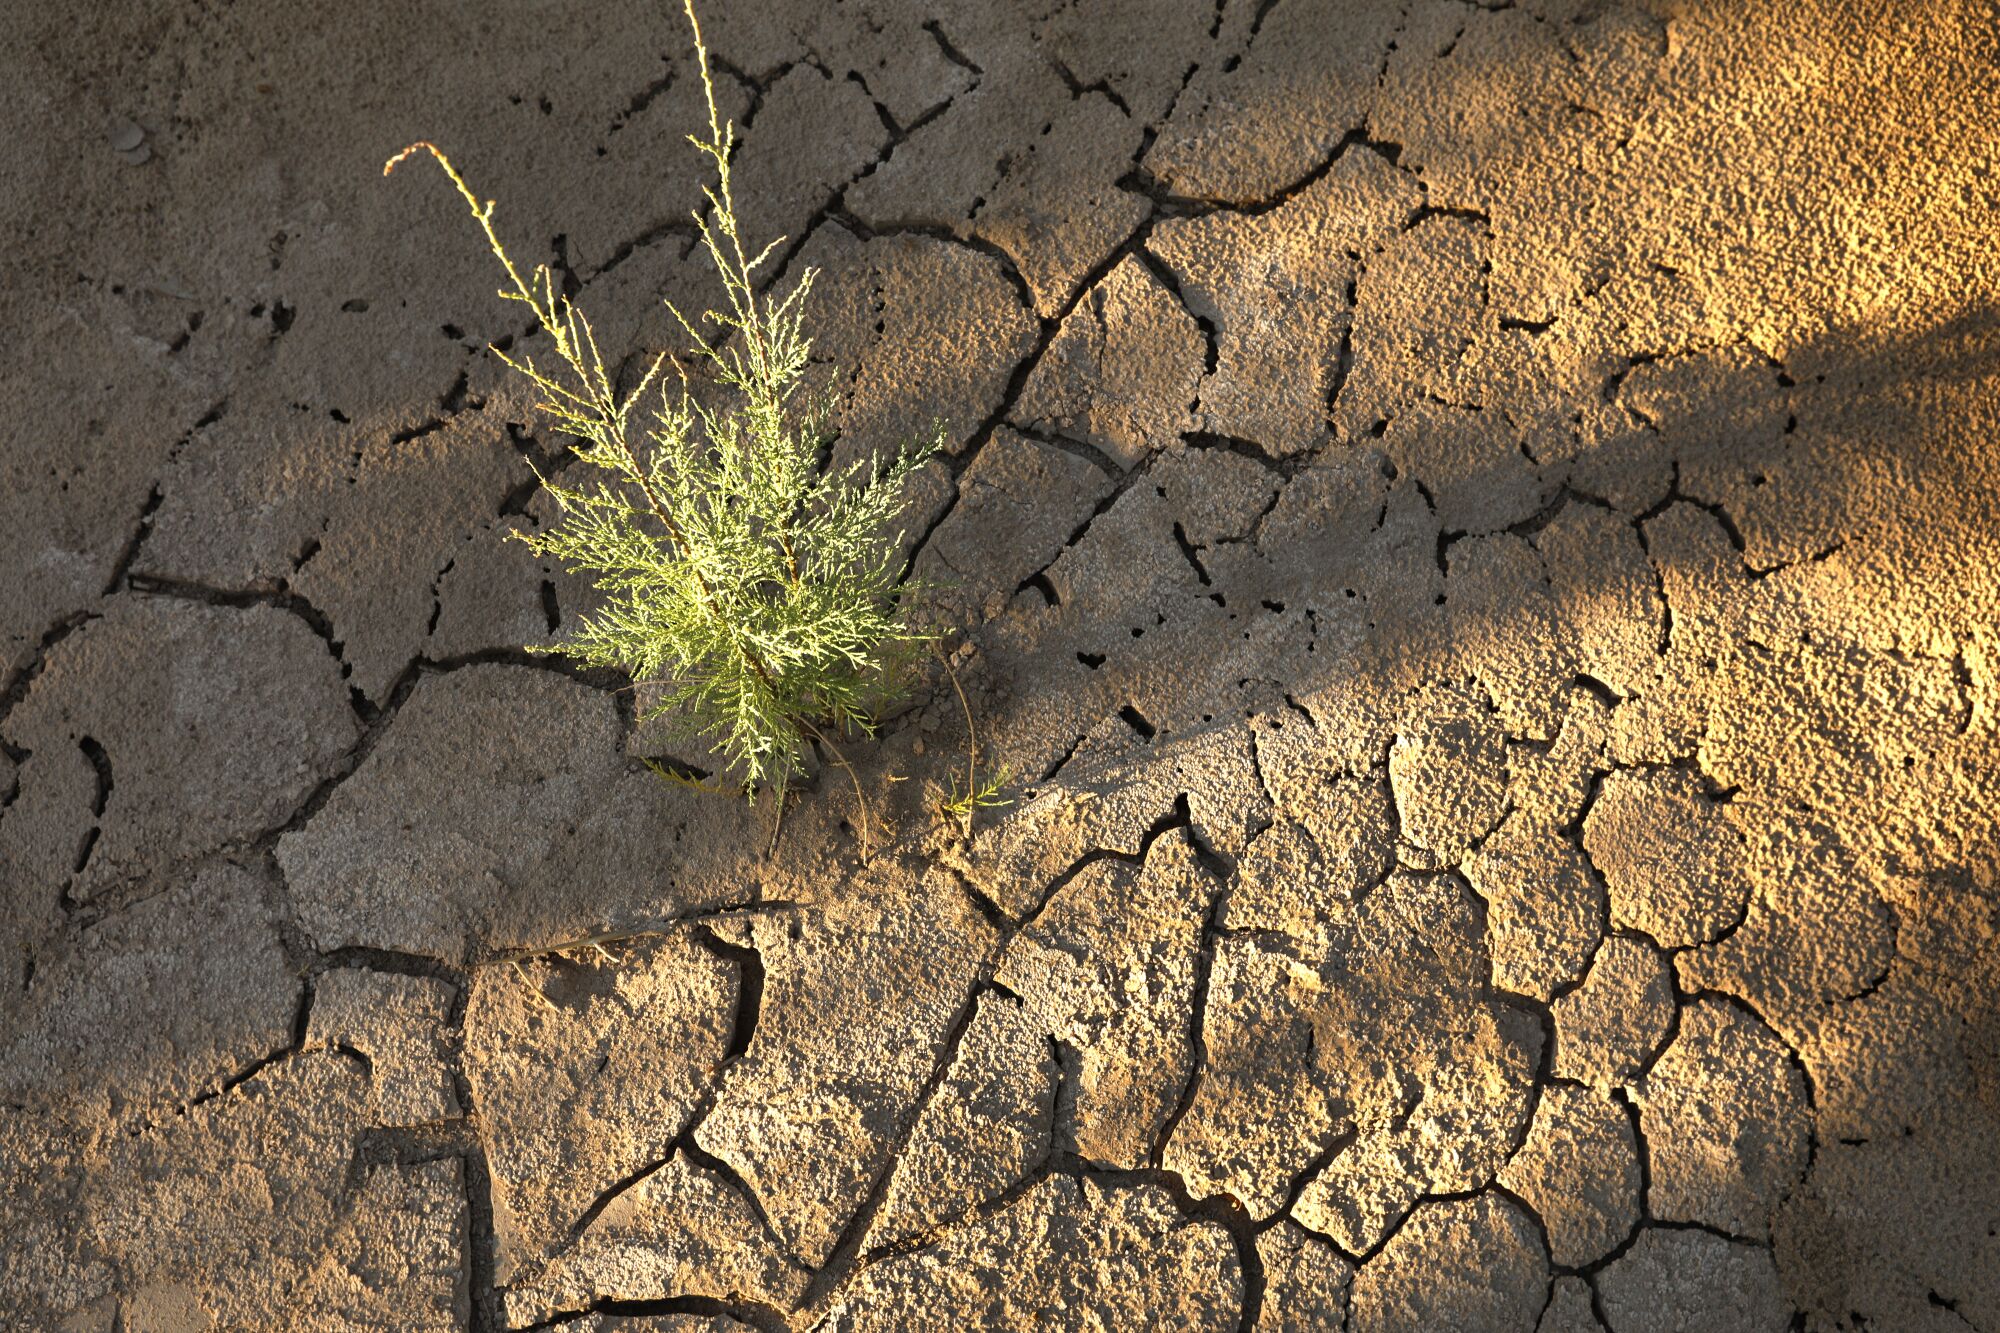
x=1474, y=529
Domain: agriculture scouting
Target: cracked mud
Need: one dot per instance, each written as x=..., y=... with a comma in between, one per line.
x=1475, y=529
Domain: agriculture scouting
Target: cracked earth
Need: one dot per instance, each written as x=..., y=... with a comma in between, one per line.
x=1474, y=530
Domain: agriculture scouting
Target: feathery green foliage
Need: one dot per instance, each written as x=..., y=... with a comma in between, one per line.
x=756, y=593
x=965, y=797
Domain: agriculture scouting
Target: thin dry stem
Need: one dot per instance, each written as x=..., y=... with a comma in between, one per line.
x=971, y=734
x=861, y=800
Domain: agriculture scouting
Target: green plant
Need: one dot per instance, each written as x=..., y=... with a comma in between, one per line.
x=972, y=793
x=757, y=592
x=960, y=801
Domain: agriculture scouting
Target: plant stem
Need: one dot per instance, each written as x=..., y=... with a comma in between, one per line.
x=971, y=738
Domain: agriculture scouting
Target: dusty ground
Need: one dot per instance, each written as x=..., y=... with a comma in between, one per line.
x=1477, y=530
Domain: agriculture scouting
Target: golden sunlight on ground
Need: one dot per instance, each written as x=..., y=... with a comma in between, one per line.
x=1471, y=529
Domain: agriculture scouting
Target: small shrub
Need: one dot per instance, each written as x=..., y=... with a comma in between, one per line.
x=755, y=593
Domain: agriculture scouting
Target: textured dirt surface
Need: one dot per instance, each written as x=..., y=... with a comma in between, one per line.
x=1477, y=534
